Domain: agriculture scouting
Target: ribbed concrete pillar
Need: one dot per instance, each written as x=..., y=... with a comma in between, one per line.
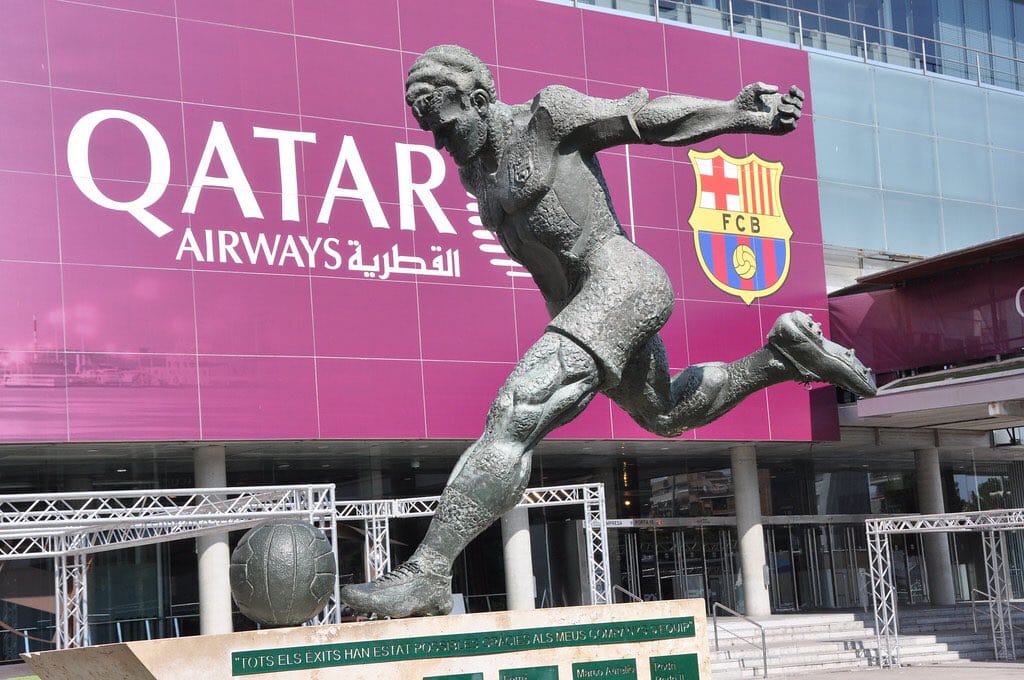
x=750, y=531
x=212, y=550
x=936, y=546
x=520, y=585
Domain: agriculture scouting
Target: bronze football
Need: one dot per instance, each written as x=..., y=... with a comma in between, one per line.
x=283, y=573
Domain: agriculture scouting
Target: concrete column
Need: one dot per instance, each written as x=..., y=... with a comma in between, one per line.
x=936, y=546
x=212, y=550
x=750, y=531
x=520, y=584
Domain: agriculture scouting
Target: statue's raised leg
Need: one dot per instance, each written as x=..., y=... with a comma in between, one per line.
x=551, y=385
x=795, y=350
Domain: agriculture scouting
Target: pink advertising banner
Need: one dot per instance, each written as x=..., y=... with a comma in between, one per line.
x=219, y=221
x=971, y=314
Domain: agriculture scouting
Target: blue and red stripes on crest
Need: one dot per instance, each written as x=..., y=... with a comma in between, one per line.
x=769, y=253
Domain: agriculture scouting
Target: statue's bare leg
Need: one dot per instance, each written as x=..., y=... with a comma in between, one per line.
x=551, y=385
x=795, y=350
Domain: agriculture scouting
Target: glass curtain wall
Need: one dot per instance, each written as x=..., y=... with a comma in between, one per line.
x=914, y=165
x=679, y=537
x=979, y=40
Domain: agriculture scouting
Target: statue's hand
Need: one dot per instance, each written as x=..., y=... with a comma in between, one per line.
x=774, y=113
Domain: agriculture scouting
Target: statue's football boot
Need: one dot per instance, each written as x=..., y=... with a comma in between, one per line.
x=409, y=590
x=798, y=338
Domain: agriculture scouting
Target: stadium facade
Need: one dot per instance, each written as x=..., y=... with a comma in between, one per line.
x=228, y=252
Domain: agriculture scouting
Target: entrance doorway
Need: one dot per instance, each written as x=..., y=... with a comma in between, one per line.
x=815, y=565
x=661, y=562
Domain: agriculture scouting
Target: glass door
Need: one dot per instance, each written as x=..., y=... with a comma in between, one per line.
x=908, y=566
x=670, y=563
x=721, y=567
x=780, y=564
x=812, y=567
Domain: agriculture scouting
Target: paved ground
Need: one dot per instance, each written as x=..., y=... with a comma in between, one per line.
x=10, y=671
x=978, y=670
x=15, y=670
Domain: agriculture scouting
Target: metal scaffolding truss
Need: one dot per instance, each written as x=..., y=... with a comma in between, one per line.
x=68, y=527
x=883, y=594
x=992, y=524
x=998, y=583
x=375, y=516
x=988, y=520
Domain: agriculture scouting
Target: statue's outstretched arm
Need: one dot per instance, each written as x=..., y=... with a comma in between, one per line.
x=566, y=116
x=676, y=120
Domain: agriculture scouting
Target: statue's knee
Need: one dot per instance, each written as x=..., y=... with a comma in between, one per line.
x=664, y=426
x=700, y=379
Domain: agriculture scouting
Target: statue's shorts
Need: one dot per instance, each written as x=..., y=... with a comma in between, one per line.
x=623, y=299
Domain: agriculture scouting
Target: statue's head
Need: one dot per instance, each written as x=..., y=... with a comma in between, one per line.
x=451, y=91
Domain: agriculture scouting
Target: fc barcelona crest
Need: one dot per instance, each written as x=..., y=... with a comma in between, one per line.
x=739, y=230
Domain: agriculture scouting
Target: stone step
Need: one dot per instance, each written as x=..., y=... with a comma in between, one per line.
x=730, y=637
x=796, y=628
x=910, y=643
x=907, y=648
x=809, y=666
x=802, y=645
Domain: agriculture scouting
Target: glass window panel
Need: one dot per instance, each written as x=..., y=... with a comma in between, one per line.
x=774, y=13
x=842, y=492
x=951, y=33
x=1011, y=221
x=959, y=112
x=1003, y=73
x=851, y=216
x=904, y=101
x=1008, y=171
x=967, y=224
x=842, y=89
x=951, y=14
x=891, y=491
x=899, y=22
x=811, y=21
x=841, y=11
x=913, y=225
x=1002, y=27
x=922, y=18
x=907, y=162
x=867, y=12
x=846, y=152
x=1018, y=28
x=976, y=23
x=965, y=171
x=1006, y=120
x=982, y=491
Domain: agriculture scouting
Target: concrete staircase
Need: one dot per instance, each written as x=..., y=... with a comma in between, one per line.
x=818, y=643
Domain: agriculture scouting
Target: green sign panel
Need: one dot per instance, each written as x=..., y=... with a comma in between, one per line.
x=618, y=669
x=678, y=667
x=461, y=676
x=454, y=645
x=536, y=673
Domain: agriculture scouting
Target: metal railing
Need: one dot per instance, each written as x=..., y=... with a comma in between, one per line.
x=632, y=596
x=42, y=638
x=764, y=644
x=988, y=600
x=812, y=30
x=486, y=602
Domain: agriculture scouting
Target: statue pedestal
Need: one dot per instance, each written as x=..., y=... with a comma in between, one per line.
x=641, y=641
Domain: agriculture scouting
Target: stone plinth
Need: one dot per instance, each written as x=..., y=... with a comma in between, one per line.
x=642, y=641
